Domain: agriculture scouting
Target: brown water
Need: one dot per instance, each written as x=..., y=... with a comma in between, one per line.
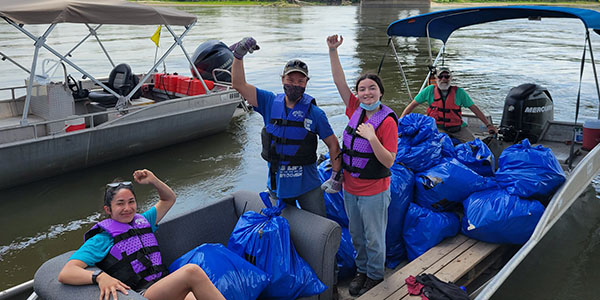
x=48, y=217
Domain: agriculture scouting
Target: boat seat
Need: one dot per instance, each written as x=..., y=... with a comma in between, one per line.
x=120, y=80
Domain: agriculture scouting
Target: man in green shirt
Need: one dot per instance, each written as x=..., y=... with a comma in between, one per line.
x=445, y=102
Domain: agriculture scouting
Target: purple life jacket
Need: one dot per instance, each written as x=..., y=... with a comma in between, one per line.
x=134, y=258
x=358, y=156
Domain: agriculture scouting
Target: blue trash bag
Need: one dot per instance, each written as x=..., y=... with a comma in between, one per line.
x=264, y=240
x=448, y=150
x=529, y=172
x=424, y=228
x=401, y=190
x=345, y=256
x=419, y=147
x=445, y=186
x=233, y=276
x=477, y=156
x=495, y=216
x=417, y=126
x=334, y=203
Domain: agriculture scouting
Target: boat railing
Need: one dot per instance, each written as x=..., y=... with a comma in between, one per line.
x=577, y=181
x=21, y=290
x=39, y=127
x=216, y=79
x=12, y=91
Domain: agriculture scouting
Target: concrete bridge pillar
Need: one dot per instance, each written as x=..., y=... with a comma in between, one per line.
x=396, y=3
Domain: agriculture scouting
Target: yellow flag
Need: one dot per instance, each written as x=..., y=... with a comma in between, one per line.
x=156, y=36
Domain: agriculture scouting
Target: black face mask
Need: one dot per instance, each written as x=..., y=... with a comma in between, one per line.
x=293, y=92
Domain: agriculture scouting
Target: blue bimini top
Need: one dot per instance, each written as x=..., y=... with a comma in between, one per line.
x=441, y=24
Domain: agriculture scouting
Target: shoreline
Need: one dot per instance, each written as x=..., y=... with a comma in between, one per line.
x=541, y=3
x=299, y=3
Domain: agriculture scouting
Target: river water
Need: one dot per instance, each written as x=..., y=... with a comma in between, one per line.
x=43, y=219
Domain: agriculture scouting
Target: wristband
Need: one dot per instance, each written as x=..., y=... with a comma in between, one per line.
x=95, y=276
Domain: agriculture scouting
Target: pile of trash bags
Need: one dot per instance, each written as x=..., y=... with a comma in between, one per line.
x=260, y=260
x=439, y=190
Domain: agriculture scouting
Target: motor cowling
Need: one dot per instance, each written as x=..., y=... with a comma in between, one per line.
x=527, y=108
x=212, y=55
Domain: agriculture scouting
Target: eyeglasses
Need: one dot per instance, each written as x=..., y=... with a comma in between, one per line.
x=444, y=76
x=117, y=184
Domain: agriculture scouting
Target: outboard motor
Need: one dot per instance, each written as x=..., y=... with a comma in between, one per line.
x=527, y=108
x=212, y=55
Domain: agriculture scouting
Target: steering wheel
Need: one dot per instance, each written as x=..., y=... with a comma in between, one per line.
x=75, y=88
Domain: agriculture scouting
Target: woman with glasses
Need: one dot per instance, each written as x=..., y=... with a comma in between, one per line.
x=369, y=148
x=445, y=101
x=124, y=247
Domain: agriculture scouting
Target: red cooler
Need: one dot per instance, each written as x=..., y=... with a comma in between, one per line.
x=74, y=124
x=591, y=134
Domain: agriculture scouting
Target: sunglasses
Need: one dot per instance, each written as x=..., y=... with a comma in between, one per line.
x=117, y=184
x=444, y=77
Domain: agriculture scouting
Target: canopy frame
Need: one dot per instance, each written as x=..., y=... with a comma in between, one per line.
x=40, y=42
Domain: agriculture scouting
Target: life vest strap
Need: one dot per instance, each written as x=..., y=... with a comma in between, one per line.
x=350, y=168
x=289, y=123
x=441, y=119
x=285, y=141
x=273, y=174
x=92, y=232
x=446, y=110
x=131, y=233
x=153, y=270
x=354, y=153
x=351, y=131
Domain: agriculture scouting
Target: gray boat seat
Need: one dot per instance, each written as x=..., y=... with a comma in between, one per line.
x=120, y=80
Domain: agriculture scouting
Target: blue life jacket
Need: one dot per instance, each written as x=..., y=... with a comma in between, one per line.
x=134, y=257
x=287, y=139
x=358, y=157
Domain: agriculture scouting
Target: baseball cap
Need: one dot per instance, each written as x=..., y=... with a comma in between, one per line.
x=443, y=69
x=295, y=65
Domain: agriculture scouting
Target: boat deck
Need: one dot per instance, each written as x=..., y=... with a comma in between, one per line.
x=457, y=259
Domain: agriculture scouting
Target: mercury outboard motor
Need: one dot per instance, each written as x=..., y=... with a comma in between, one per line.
x=527, y=108
x=212, y=55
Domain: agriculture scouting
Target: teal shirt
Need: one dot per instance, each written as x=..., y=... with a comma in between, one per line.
x=96, y=248
x=461, y=98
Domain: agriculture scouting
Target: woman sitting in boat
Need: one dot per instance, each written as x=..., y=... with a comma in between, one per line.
x=445, y=102
x=369, y=149
x=125, y=249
